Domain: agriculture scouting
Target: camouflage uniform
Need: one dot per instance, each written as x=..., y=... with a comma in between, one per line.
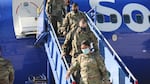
x=6, y=72
x=92, y=69
x=73, y=42
x=71, y=21
x=74, y=39
x=55, y=9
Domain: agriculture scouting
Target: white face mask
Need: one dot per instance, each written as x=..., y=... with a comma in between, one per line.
x=86, y=51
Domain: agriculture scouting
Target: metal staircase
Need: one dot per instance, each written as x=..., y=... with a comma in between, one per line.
x=120, y=74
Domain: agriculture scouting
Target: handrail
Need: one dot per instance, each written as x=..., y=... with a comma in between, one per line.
x=110, y=47
x=93, y=14
x=59, y=47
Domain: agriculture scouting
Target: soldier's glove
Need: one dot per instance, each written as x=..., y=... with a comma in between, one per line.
x=63, y=54
x=62, y=32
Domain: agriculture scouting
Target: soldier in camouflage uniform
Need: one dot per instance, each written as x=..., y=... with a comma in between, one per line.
x=91, y=65
x=6, y=71
x=56, y=10
x=72, y=19
x=75, y=37
x=73, y=41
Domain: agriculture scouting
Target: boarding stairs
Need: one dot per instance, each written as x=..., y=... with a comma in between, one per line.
x=119, y=73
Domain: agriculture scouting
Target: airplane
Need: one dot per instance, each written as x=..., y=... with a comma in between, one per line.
x=125, y=24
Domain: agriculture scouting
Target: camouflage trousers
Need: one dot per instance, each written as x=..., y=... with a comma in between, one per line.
x=94, y=81
x=76, y=74
x=91, y=81
x=56, y=22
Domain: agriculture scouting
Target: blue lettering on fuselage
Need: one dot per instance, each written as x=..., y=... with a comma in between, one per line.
x=128, y=9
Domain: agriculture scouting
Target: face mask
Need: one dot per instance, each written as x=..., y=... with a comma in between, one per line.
x=75, y=11
x=86, y=51
x=83, y=28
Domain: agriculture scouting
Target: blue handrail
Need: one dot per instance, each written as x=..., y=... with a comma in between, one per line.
x=58, y=64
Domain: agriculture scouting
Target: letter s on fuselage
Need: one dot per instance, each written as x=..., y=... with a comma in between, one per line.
x=127, y=10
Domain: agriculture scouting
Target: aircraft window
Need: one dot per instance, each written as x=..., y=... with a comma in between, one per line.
x=126, y=19
x=139, y=18
x=100, y=18
x=113, y=18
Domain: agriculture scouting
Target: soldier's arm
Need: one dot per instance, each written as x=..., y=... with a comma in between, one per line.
x=94, y=41
x=65, y=23
x=48, y=6
x=49, y=1
x=63, y=8
x=11, y=74
x=102, y=68
x=67, y=44
x=75, y=66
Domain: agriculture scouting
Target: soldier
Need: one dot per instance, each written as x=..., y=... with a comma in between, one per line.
x=6, y=71
x=71, y=20
x=56, y=10
x=73, y=40
x=91, y=65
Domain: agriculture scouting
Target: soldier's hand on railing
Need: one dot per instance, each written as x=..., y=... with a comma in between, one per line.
x=63, y=54
x=107, y=82
x=62, y=31
x=67, y=75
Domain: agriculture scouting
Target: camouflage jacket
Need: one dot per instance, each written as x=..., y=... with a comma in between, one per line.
x=92, y=68
x=71, y=20
x=6, y=72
